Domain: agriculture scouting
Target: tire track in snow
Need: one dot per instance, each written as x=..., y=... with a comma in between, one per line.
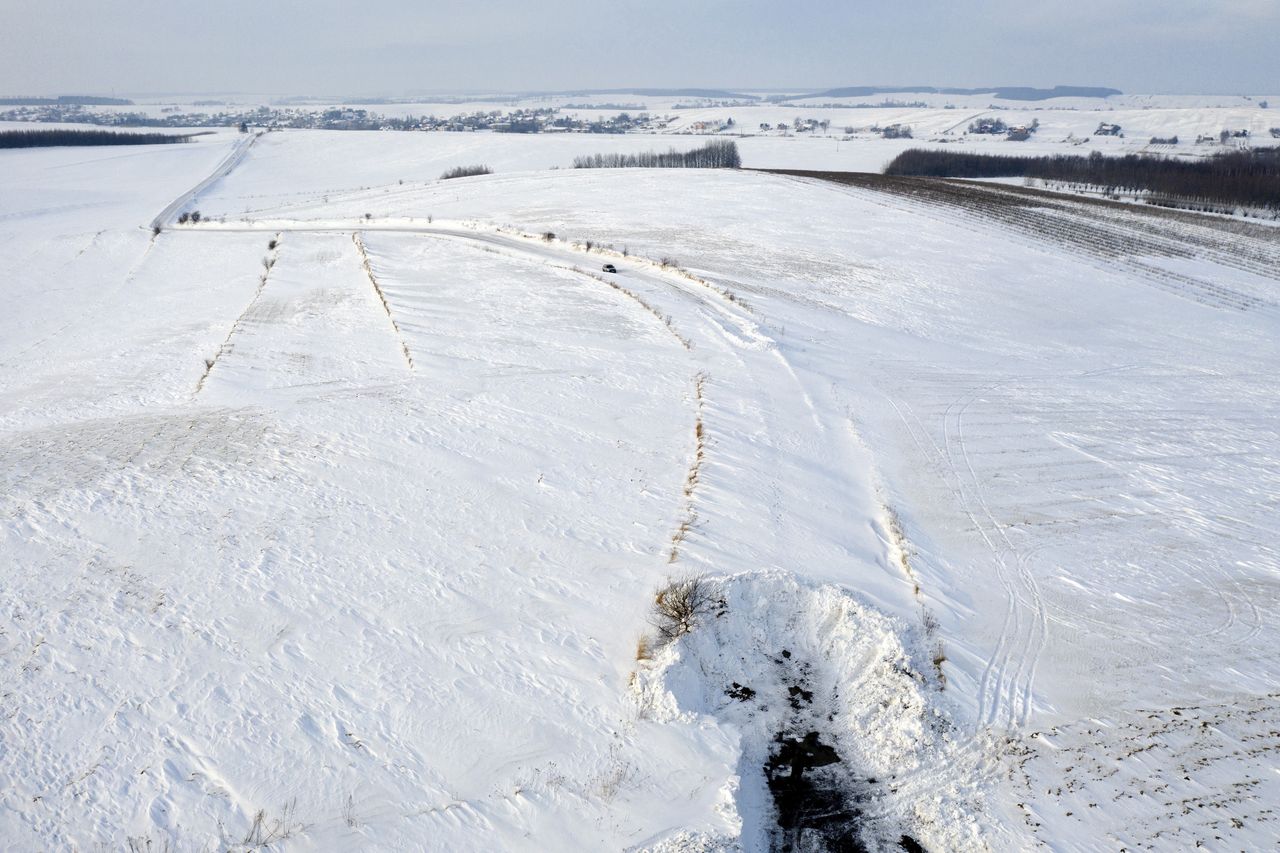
x=1006, y=686
x=1012, y=683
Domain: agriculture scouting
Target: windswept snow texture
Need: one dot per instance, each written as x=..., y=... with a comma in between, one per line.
x=334, y=521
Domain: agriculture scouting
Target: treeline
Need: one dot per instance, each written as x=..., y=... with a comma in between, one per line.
x=466, y=172
x=66, y=100
x=46, y=138
x=717, y=154
x=1243, y=178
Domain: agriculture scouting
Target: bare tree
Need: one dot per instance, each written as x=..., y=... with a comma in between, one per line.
x=680, y=605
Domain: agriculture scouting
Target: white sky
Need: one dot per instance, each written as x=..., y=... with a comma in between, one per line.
x=391, y=47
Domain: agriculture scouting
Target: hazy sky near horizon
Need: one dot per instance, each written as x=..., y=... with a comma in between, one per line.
x=392, y=47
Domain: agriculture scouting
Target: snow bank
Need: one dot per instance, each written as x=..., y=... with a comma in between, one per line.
x=779, y=658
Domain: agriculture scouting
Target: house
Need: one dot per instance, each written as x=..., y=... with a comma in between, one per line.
x=988, y=125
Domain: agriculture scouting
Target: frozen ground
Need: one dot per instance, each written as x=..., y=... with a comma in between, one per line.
x=349, y=542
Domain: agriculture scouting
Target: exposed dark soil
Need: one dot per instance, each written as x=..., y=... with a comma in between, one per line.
x=815, y=811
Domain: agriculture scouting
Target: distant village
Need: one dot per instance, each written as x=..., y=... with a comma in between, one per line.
x=532, y=120
x=526, y=120
x=543, y=120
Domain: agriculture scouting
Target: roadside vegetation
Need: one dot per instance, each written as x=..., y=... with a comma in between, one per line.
x=50, y=138
x=718, y=154
x=1249, y=179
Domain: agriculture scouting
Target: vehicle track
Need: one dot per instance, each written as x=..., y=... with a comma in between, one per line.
x=227, y=165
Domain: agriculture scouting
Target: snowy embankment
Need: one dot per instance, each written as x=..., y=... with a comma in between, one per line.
x=334, y=530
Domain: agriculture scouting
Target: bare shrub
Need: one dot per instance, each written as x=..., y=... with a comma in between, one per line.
x=617, y=774
x=265, y=831
x=680, y=605
x=349, y=813
x=548, y=236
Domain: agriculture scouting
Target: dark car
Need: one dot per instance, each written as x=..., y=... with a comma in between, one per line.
x=609, y=268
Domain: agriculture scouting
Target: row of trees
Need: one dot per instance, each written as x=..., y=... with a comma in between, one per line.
x=66, y=100
x=1246, y=178
x=717, y=154
x=466, y=172
x=47, y=138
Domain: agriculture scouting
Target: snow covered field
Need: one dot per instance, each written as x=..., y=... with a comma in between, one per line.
x=334, y=522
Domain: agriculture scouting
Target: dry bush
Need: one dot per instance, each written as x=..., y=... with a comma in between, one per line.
x=266, y=831
x=680, y=605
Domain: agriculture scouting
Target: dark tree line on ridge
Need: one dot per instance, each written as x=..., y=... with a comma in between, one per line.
x=1245, y=178
x=717, y=154
x=46, y=138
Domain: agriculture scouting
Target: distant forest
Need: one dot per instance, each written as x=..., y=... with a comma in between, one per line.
x=1007, y=93
x=47, y=138
x=1244, y=178
x=66, y=100
x=719, y=154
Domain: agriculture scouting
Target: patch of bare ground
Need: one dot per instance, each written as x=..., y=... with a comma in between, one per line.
x=1180, y=778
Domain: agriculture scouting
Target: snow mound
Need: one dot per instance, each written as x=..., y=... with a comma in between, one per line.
x=778, y=660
